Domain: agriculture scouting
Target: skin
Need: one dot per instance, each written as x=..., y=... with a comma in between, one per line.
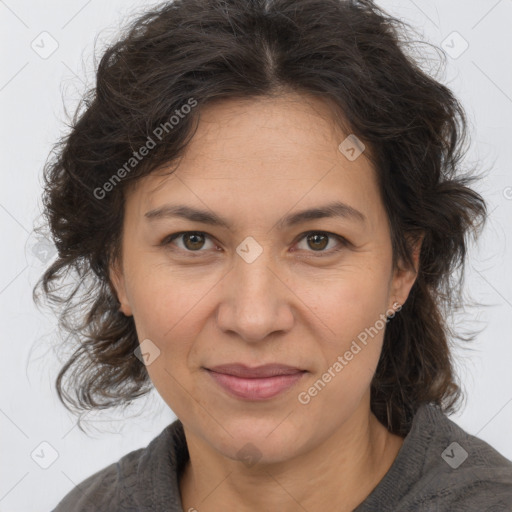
x=254, y=162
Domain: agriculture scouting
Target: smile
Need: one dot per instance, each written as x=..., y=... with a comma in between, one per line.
x=256, y=388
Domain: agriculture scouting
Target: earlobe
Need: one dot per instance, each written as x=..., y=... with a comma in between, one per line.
x=117, y=280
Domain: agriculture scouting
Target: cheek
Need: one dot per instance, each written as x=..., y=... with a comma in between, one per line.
x=350, y=355
x=351, y=301
x=168, y=313
x=352, y=309
x=171, y=310
x=164, y=302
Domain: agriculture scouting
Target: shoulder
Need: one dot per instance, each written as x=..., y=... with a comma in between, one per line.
x=441, y=468
x=130, y=483
x=459, y=471
x=105, y=488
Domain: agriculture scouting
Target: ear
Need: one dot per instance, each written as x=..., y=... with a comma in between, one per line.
x=116, y=275
x=404, y=275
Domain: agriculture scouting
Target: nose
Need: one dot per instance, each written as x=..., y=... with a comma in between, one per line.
x=255, y=301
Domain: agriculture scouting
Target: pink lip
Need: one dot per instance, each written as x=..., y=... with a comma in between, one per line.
x=258, y=383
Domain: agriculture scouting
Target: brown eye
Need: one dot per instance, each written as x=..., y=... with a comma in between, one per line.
x=193, y=241
x=190, y=241
x=317, y=241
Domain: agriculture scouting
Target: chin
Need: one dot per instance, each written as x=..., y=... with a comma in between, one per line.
x=263, y=442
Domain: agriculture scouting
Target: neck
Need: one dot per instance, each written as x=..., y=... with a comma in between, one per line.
x=344, y=470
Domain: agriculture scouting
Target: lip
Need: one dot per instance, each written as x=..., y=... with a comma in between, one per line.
x=244, y=371
x=257, y=383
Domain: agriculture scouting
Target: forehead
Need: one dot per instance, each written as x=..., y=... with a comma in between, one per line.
x=263, y=152
x=265, y=130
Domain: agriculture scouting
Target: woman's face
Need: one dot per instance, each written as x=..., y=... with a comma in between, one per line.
x=255, y=289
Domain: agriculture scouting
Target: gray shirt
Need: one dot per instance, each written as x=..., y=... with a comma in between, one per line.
x=439, y=468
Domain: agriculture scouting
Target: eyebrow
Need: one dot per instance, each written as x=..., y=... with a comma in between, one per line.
x=334, y=209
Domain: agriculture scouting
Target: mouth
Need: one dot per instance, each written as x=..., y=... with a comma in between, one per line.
x=257, y=383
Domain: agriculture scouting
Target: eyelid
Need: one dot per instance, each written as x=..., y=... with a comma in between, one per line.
x=343, y=242
x=167, y=241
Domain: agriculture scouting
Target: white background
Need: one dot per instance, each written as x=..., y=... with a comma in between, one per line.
x=31, y=92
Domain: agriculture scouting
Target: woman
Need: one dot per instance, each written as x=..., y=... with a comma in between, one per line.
x=263, y=206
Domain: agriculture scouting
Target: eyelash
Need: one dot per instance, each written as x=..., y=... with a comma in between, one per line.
x=166, y=242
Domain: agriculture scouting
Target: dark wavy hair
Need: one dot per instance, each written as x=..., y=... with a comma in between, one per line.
x=351, y=54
